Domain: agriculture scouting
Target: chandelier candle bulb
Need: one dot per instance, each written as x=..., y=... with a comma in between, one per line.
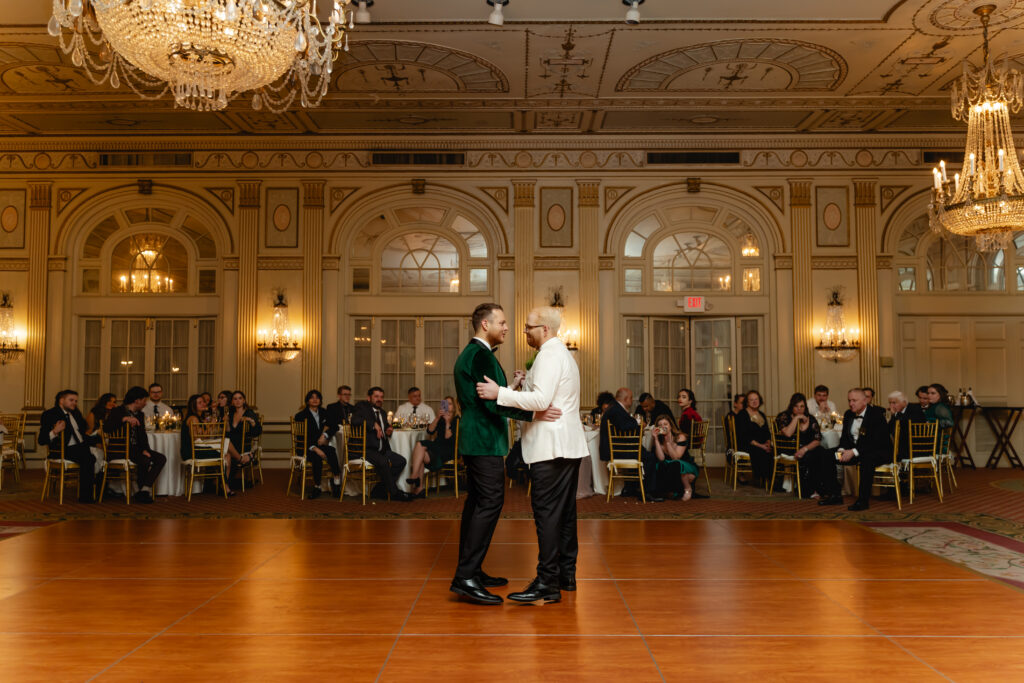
x=942, y=165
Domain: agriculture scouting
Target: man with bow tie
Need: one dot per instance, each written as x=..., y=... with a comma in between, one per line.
x=865, y=443
x=64, y=425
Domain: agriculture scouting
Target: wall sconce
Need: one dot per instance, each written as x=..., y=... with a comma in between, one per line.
x=751, y=279
x=725, y=282
x=282, y=344
x=10, y=348
x=571, y=339
x=836, y=342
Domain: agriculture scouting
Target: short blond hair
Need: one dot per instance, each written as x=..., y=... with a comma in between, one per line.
x=549, y=316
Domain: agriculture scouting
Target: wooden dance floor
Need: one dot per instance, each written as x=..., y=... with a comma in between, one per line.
x=366, y=600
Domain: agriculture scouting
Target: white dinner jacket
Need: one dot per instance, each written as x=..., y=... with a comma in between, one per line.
x=554, y=380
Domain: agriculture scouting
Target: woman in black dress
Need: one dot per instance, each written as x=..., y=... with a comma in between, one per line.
x=753, y=437
x=810, y=454
x=99, y=412
x=433, y=455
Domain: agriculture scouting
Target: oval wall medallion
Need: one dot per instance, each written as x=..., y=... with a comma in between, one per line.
x=282, y=217
x=832, y=216
x=9, y=219
x=556, y=217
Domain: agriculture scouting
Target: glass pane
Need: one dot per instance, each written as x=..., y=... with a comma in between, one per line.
x=635, y=355
x=712, y=353
x=478, y=280
x=205, y=355
x=149, y=263
x=906, y=279
x=420, y=262
x=91, y=361
x=362, y=357
x=634, y=280
x=441, y=348
x=90, y=281
x=668, y=359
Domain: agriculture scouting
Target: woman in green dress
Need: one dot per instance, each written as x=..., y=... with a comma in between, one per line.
x=938, y=409
x=674, y=474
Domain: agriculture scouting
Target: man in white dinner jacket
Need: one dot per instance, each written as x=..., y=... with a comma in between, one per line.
x=553, y=451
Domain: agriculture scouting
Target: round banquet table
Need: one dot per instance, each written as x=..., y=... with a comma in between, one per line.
x=171, y=481
x=402, y=441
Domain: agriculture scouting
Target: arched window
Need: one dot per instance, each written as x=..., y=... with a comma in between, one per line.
x=149, y=263
x=689, y=248
x=929, y=262
x=689, y=261
x=420, y=262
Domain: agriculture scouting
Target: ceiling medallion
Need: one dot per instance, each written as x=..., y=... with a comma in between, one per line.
x=206, y=52
x=986, y=199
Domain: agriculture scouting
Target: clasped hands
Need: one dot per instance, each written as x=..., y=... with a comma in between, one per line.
x=488, y=390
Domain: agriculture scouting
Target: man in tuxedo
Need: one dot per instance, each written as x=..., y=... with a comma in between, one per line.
x=378, y=449
x=483, y=442
x=553, y=451
x=63, y=424
x=148, y=463
x=617, y=414
x=865, y=442
x=650, y=409
x=341, y=410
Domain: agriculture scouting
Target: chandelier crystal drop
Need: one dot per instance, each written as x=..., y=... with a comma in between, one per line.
x=986, y=199
x=205, y=52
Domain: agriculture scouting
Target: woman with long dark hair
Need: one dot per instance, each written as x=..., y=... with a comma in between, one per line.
x=99, y=412
x=796, y=418
x=195, y=409
x=319, y=431
x=219, y=410
x=753, y=437
x=939, y=409
x=688, y=404
x=433, y=455
x=674, y=473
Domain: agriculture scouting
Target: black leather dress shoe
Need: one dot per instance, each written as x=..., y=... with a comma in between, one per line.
x=488, y=581
x=831, y=500
x=537, y=590
x=313, y=493
x=471, y=591
x=858, y=506
x=567, y=582
x=335, y=490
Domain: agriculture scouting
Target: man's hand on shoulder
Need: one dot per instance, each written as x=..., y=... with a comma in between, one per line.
x=551, y=414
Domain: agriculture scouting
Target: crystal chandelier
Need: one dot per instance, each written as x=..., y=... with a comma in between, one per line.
x=985, y=200
x=10, y=349
x=205, y=52
x=835, y=342
x=282, y=344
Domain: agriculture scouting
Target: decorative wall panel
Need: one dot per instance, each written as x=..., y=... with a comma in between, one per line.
x=832, y=207
x=282, y=219
x=12, y=219
x=556, y=217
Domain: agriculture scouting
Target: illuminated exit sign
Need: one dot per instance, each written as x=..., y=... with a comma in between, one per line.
x=692, y=304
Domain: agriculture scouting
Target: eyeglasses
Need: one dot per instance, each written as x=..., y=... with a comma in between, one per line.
x=527, y=328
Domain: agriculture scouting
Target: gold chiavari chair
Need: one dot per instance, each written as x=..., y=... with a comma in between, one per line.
x=252, y=446
x=356, y=463
x=208, y=446
x=888, y=475
x=947, y=460
x=736, y=461
x=696, y=445
x=299, y=464
x=116, y=460
x=922, y=442
x=12, y=455
x=450, y=469
x=624, y=450
x=784, y=459
x=59, y=472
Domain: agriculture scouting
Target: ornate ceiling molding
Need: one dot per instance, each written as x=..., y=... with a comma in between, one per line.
x=775, y=193
x=890, y=193
x=399, y=66
x=225, y=195
x=339, y=195
x=498, y=194
x=612, y=195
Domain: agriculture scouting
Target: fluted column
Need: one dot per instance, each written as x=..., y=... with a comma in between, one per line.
x=38, y=228
x=312, y=230
x=248, y=284
x=589, y=286
x=524, y=218
x=865, y=219
x=801, y=224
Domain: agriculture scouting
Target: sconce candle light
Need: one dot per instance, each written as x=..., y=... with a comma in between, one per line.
x=282, y=343
x=10, y=348
x=836, y=342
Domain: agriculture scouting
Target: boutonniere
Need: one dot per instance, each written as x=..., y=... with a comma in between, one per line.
x=861, y=432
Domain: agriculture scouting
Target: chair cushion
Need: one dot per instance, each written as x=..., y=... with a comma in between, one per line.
x=356, y=462
x=120, y=462
x=625, y=464
x=921, y=459
x=740, y=455
x=888, y=467
x=68, y=464
x=783, y=457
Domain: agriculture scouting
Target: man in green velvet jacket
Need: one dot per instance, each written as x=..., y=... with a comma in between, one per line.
x=483, y=443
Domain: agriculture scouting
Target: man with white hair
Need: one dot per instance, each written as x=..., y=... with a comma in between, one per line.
x=903, y=414
x=553, y=451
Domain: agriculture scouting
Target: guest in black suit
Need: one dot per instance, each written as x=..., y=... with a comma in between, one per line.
x=617, y=413
x=64, y=424
x=866, y=443
x=651, y=409
x=378, y=449
x=319, y=431
x=903, y=413
x=148, y=463
x=753, y=437
x=340, y=412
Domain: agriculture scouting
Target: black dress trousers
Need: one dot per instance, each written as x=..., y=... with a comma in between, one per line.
x=554, y=512
x=485, y=479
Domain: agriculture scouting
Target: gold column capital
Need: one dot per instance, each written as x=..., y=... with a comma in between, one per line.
x=589, y=190
x=39, y=195
x=865, y=192
x=524, y=191
x=249, y=193
x=800, y=191
x=313, y=193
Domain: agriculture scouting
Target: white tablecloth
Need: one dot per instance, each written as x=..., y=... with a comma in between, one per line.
x=402, y=441
x=171, y=481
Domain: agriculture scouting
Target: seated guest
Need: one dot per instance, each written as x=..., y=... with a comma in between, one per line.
x=241, y=418
x=218, y=412
x=194, y=411
x=340, y=412
x=865, y=443
x=389, y=465
x=208, y=399
x=603, y=399
x=414, y=408
x=63, y=424
x=922, y=396
x=648, y=408
x=753, y=437
x=100, y=412
x=617, y=414
x=433, y=455
x=870, y=393
x=319, y=432
x=688, y=404
x=938, y=409
x=813, y=460
x=674, y=472
x=739, y=402
x=903, y=414
x=821, y=406
x=148, y=463
x=155, y=405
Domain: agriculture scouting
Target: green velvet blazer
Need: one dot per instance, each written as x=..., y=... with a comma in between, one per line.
x=483, y=429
